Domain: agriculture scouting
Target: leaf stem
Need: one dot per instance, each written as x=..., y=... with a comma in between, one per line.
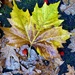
x=29, y=52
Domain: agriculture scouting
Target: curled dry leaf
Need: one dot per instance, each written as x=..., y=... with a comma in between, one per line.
x=58, y=62
x=71, y=70
x=39, y=30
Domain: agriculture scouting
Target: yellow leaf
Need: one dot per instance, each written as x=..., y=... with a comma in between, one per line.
x=20, y=17
x=46, y=16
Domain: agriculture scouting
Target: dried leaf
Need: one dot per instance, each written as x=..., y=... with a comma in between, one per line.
x=71, y=70
x=9, y=52
x=58, y=62
x=68, y=7
x=68, y=1
x=7, y=2
x=72, y=39
x=15, y=36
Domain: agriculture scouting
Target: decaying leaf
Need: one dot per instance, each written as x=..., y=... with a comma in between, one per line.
x=41, y=30
x=58, y=62
x=7, y=2
x=72, y=39
x=68, y=7
x=2, y=64
x=68, y=1
x=71, y=70
x=9, y=53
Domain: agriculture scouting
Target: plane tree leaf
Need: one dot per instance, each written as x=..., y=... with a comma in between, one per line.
x=47, y=41
x=46, y=16
x=41, y=30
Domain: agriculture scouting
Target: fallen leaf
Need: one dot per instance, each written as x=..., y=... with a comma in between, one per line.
x=72, y=39
x=39, y=30
x=7, y=2
x=8, y=53
x=71, y=70
x=68, y=7
x=68, y=2
x=46, y=17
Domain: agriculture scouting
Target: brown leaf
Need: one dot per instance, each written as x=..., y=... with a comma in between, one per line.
x=16, y=36
x=46, y=50
x=68, y=1
x=71, y=70
x=9, y=52
x=7, y=2
x=68, y=7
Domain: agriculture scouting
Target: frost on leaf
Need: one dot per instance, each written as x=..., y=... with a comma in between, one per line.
x=41, y=30
x=72, y=39
x=68, y=7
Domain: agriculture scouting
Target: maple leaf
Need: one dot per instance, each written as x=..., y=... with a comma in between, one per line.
x=37, y=30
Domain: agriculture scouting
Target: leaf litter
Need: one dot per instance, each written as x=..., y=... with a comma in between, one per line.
x=34, y=65
x=28, y=49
